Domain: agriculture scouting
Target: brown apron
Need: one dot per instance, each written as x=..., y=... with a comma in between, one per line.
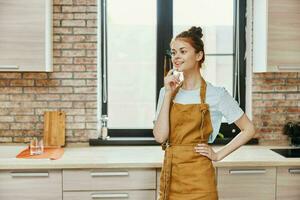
x=186, y=174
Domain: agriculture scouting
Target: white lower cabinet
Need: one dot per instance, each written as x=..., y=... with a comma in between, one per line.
x=247, y=183
x=89, y=184
x=31, y=185
x=288, y=183
x=234, y=183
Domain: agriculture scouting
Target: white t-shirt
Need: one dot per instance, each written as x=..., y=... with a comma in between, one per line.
x=220, y=102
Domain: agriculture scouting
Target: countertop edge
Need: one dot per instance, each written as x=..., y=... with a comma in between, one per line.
x=137, y=157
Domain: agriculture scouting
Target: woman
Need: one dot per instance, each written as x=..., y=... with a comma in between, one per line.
x=188, y=117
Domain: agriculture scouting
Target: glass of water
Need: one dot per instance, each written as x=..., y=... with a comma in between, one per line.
x=36, y=146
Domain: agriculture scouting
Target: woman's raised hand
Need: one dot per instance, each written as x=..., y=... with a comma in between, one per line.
x=171, y=81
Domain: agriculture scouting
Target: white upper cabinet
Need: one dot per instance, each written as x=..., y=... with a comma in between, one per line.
x=26, y=35
x=276, y=36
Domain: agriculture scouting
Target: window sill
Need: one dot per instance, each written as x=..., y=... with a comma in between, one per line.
x=144, y=141
x=126, y=141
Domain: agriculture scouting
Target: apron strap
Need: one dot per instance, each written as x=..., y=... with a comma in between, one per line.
x=202, y=97
x=203, y=90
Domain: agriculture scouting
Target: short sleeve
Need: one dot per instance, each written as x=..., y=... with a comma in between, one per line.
x=159, y=103
x=229, y=107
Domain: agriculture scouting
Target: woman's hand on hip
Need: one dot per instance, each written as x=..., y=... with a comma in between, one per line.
x=171, y=81
x=206, y=150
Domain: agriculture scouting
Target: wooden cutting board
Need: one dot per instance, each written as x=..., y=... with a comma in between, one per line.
x=54, y=128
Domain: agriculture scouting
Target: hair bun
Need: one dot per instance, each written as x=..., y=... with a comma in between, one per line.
x=196, y=30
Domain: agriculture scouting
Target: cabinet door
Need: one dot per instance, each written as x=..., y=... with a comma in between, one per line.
x=158, y=172
x=31, y=185
x=288, y=183
x=26, y=35
x=109, y=179
x=116, y=195
x=247, y=183
x=276, y=35
x=284, y=34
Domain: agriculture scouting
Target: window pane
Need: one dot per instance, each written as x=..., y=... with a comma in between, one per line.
x=215, y=68
x=215, y=17
x=131, y=46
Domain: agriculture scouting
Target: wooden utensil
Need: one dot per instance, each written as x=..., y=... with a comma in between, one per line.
x=54, y=128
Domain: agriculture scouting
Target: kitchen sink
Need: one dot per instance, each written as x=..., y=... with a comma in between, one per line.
x=288, y=153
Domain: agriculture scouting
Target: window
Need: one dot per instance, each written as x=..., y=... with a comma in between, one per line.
x=131, y=58
x=134, y=37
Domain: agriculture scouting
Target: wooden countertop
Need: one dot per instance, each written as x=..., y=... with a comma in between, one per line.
x=137, y=157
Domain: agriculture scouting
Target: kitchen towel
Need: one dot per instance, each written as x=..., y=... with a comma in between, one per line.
x=52, y=153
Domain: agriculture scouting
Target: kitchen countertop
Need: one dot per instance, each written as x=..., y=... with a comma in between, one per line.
x=137, y=157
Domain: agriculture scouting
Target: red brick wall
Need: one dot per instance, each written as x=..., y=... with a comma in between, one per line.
x=276, y=100
x=71, y=87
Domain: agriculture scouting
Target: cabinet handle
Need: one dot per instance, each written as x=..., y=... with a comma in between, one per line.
x=9, y=67
x=282, y=67
x=109, y=195
x=294, y=171
x=101, y=174
x=247, y=171
x=31, y=174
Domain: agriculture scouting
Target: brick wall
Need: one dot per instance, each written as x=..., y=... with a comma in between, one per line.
x=275, y=101
x=71, y=87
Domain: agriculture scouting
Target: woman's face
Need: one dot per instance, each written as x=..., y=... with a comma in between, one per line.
x=184, y=56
